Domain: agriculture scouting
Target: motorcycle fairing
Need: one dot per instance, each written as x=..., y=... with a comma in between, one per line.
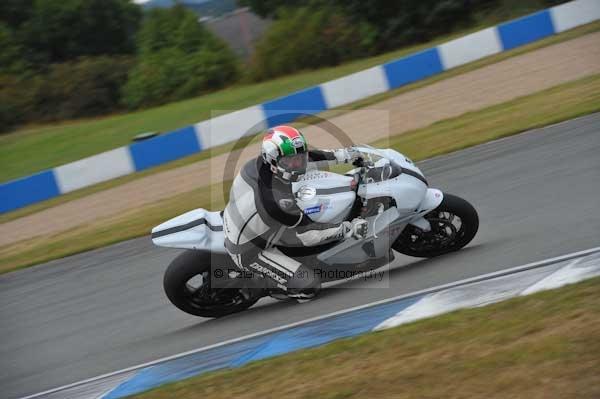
x=202, y=229
x=333, y=196
x=383, y=230
x=197, y=229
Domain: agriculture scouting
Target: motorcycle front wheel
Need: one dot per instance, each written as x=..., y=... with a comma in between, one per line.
x=454, y=223
x=187, y=283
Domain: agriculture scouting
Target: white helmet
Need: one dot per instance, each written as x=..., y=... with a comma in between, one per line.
x=285, y=150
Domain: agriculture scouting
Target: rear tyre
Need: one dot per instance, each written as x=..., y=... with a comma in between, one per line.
x=187, y=283
x=454, y=223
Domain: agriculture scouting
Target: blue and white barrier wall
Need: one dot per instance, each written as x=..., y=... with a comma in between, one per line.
x=229, y=127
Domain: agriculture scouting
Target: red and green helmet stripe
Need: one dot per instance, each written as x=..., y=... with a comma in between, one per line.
x=288, y=140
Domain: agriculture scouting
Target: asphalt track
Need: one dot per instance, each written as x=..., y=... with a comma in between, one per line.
x=537, y=195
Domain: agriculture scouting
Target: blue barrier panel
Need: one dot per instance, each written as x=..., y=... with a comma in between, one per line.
x=158, y=150
x=412, y=68
x=526, y=29
x=28, y=190
x=286, y=109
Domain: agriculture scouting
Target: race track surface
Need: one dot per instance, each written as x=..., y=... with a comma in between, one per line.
x=537, y=195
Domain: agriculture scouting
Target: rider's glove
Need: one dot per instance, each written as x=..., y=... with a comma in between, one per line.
x=357, y=228
x=346, y=155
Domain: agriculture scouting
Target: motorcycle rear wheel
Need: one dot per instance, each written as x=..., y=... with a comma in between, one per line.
x=454, y=224
x=187, y=283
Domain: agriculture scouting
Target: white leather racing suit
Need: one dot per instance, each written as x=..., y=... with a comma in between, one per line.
x=262, y=215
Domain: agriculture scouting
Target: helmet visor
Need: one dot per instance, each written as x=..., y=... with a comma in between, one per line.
x=294, y=163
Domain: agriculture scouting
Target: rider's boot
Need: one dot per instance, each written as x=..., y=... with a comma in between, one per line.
x=306, y=295
x=305, y=285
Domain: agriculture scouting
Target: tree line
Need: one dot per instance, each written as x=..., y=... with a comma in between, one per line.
x=76, y=58
x=314, y=33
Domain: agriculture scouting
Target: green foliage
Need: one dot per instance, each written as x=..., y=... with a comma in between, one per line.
x=412, y=21
x=14, y=12
x=172, y=28
x=10, y=52
x=64, y=59
x=269, y=8
x=308, y=38
x=58, y=31
x=325, y=33
x=54, y=60
x=86, y=87
x=178, y=58
x=41, y=32
x=383, y=24
x=15, y=100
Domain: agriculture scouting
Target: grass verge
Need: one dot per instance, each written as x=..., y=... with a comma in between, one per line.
x=540, y=346
x=569, y=35
x=575, y=98
x=40, y=147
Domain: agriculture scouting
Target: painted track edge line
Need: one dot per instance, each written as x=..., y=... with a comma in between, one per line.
x=483, y=277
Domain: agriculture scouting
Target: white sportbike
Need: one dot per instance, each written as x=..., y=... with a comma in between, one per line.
x=385, y=188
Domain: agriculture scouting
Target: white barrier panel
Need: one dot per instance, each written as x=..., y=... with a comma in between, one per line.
x=470, y=48
x=573, y=14
x=354, y=87
x=95, y=169
x=230, y=127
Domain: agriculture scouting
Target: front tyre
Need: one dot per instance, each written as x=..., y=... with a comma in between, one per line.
x=454, y=223
x=187, y=283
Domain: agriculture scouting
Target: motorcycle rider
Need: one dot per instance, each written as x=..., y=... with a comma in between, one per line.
x=262, y=215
